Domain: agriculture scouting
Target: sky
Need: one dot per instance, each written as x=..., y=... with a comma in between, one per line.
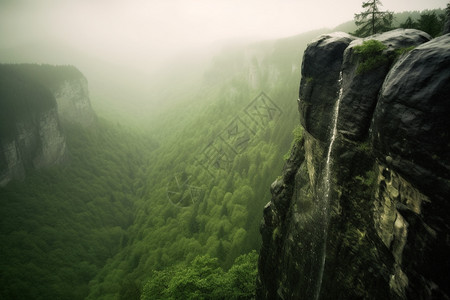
x=133, y=31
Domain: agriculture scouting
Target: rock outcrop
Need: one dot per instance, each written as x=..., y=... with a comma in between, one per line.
x=68, y=85
x=74, y=105
x=33, y=101
x=360, y=211
x=30, y=132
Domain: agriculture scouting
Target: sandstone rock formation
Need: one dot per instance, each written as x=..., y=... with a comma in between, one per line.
x=376, y=226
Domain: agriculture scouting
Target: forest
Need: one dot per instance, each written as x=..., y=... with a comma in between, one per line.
x=133, y=206
x=160, y=208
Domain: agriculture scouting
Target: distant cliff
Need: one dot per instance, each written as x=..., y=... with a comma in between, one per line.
x=33, y=99
x=361, y=209
x=69, y=87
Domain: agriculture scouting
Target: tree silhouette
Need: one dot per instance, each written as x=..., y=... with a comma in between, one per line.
x=446, y=28
x=409, y=23
x=372, y=20
x=428, y=21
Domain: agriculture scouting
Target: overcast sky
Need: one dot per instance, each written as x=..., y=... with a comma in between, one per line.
x=133, y=29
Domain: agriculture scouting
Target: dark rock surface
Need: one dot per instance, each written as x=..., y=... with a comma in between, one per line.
x=319, y=84
x=360, y=91
x=411, y=135
x=411, y=123
x=68, y=86
x=380, y=231
x=30, y=132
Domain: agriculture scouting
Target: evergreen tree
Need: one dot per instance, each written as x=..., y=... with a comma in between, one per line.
x=372, y=20
x=409, y=23
x=430, y=23
x=446, y=28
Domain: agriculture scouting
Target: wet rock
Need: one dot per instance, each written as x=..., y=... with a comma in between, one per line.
x=411, y=123
x=361, y=87
x=319, y=85
x=382, y=230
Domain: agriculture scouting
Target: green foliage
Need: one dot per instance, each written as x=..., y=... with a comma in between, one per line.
x=298, y=134
x=61, y=225
x=371, y=53
x=203, y=278
x=409, y=23
x=400, y=52
x=224, y=222
x=368, y=179
x=430, y=21
x=372, y=20
x=98, y=227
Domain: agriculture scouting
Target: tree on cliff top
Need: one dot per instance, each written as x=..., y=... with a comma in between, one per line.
x=372, y=20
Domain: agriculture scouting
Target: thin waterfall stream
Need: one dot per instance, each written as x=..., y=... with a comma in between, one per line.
x=327, y=186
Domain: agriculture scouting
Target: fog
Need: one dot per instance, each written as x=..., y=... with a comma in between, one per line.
x=145, y=33
x=140, y=56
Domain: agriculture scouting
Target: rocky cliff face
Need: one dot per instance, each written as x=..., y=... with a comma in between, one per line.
x=74, y=105
x=68, y=85
x=38, y=142
x=33, y=100
x=360, y=211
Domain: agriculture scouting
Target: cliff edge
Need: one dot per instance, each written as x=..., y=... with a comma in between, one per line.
x=33, y=101
x=360, y=210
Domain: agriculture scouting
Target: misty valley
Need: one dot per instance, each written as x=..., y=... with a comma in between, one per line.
x=312, y=166
x=178, y=198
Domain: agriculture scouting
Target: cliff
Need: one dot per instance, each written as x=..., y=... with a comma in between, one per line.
x=69, y=87
x=360, y=210
x=33, y=100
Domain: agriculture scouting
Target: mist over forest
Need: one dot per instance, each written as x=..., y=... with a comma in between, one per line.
x=141, y=141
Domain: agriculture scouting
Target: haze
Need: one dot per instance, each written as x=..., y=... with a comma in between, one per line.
x=141, y=34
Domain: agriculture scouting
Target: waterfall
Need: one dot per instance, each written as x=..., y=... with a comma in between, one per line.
x=327, y=186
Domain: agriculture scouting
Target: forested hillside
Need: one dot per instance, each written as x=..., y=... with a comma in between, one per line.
x=188, y=183
x=61, y=224
x=209, y=178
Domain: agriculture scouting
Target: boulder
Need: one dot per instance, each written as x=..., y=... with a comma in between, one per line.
x=361, y=87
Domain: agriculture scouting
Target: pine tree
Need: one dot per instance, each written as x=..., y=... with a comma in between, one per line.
x=430, y=23
x=409, y=23
x=446, y=28
x=372, y=20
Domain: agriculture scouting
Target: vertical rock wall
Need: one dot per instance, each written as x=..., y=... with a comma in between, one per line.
x=386, y=220
x=33, y=100
x=74, y=105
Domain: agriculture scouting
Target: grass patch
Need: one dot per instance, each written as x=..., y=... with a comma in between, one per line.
x=371, y=53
